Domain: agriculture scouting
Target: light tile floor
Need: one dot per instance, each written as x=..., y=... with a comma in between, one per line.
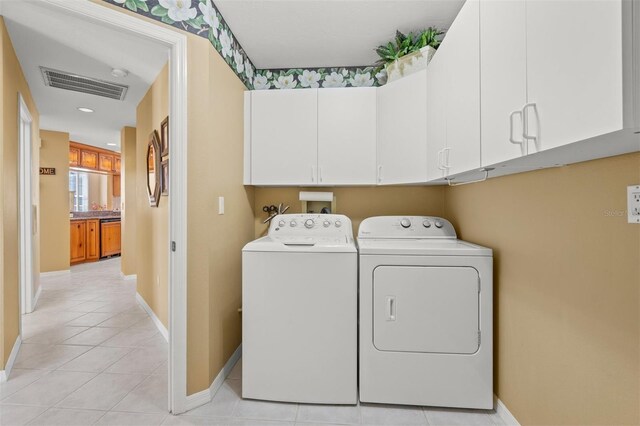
x=91, y=355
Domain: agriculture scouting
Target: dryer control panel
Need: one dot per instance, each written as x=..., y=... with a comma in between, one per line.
x=406, y=227
x=311, y=225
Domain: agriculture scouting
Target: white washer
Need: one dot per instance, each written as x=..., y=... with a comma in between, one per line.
x=299, y=308
x=425, y=314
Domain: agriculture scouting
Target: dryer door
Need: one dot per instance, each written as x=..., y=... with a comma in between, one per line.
x=426, y=309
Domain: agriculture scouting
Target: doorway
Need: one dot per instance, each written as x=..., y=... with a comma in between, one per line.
x=176, y=43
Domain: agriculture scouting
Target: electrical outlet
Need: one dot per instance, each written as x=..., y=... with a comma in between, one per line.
x=633, y=203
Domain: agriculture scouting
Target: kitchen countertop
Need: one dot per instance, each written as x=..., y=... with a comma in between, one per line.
x=94, y=218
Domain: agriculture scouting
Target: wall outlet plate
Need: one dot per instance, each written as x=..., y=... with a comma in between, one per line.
x=633, y=203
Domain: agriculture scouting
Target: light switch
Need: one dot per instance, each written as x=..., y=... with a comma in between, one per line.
x=633, y=203
x=220, y=205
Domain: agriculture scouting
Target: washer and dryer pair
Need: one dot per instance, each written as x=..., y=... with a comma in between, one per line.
x=424, y=318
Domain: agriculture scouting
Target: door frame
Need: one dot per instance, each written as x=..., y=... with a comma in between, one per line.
x=26, y=209
x=176, y=254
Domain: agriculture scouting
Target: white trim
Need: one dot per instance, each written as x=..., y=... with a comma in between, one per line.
x=128, y=277
x=55, y=273
x=202, y=397
x=161, y=328
x=26, y=206
x=176, y=42
x=4, y=374
x=34, y=303
x=504, y=413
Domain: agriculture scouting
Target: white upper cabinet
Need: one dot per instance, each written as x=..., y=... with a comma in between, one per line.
x=574, y=71
x=503, y=71
x=462, y=56
x=402, y=130
x=284, y=137
x=347, y=136
x=437, y=81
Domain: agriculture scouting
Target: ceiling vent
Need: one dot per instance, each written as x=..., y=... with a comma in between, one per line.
x=78, y=83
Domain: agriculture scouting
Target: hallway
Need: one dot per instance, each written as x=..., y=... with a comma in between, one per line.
x=90, y=354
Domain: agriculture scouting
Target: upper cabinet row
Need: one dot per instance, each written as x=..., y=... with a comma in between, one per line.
x=510, y=79
x=92, y=158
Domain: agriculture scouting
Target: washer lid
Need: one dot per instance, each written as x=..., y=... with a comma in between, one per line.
x=302, y=244
x=421, y=247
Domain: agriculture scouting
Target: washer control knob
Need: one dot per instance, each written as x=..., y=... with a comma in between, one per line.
x=293, y=223
x=281, y=223
x=309, y=223
x=338, y=223
x=326, y=224
x=406, y=223
x=438, y=224
x=426, y=224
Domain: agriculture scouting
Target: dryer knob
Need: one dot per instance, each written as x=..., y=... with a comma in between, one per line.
x=426, y=224
x=309, y=223
x=406, y=223
x=338, y=224
x=438, y=224
x=293, y=223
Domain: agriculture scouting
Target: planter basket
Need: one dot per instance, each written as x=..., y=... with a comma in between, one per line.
x=409, y=64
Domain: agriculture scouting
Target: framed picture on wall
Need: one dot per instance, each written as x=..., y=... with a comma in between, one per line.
x=164, y=136
x=165, y=177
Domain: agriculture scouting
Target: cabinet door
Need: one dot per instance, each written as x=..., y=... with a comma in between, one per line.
x=436, y=115
x=284, y=137
x=105, y=162
x=462, y=47
x=116, y=164
x=93, y=240
x=74, y=157
x=402, y=130
x=88, y=159
x=574, y=70
x=78, y=236
x=110, y=238
x=347, y=136
x=503, y=72
x=116, y=185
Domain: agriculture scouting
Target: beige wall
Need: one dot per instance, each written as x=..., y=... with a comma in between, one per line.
x=54, y=201
x=12, y=82
x=128, y=199
x=567, y=280
x=358, y=203
x=152, y=223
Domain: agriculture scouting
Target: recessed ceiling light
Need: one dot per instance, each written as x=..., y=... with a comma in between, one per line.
x=85, y=109
x=112, y=144
x=119, y=72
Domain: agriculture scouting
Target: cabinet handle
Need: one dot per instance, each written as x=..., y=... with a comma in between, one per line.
x=512, y=138
x=440, y=160
x=391, y=308
x=313, y=173
x=380, y=173
x=525, y=126
x=446, y=165
x=320, y=174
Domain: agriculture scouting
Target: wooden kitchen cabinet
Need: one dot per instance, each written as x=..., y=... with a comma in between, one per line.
x=74, y=157
x=110, y=239
x=93, y=239
x=78, y=237
x=105, y=162
x=88, y=159
x=116, y=185
x=116, y=164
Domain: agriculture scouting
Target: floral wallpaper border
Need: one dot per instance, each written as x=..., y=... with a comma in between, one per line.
x=202, y=18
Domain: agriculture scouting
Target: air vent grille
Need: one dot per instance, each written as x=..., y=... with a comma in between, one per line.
x=78, y=83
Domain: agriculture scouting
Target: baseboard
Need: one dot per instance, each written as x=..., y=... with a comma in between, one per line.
x=4, y=374
x=161, y=328
x=202, y=397
x=128, y=277
x=55, y=273
x=504, y=413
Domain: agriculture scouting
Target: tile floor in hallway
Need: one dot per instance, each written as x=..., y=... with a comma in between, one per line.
x=91, y=355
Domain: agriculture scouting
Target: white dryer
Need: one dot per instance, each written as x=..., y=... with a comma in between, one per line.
x=299, y=308
x=426, y=333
